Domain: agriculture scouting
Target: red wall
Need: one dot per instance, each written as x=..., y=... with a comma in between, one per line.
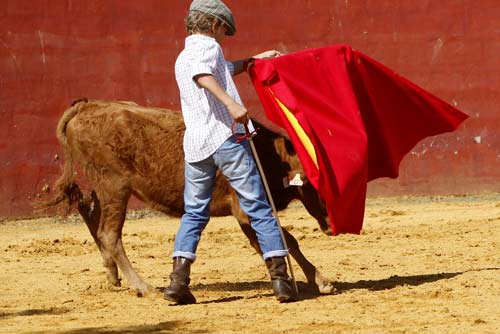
x=54, y=51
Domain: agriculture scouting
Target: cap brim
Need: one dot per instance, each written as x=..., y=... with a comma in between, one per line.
x=229, y=31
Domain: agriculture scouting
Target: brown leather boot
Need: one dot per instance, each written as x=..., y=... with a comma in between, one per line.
x=281, y=282
x=178, y=291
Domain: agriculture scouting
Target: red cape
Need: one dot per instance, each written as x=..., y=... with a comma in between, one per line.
x=360, y=116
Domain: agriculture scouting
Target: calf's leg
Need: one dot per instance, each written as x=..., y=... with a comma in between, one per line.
x=90, y=210
x=312, y=274
x=109, y=234
x=315, y=207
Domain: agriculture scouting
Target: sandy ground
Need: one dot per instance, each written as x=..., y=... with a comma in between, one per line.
x=421, y=265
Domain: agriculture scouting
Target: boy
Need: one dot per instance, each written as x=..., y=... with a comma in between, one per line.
x=210, y=104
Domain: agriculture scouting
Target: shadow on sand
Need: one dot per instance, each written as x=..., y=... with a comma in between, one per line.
x=162, y=327
x=395, y=281
x=165, y=327
x=310, y=291
x=32, y=312
x=306, y=291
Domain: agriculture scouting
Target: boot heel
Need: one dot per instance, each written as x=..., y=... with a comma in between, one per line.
x=182, y=299
x=283, y=291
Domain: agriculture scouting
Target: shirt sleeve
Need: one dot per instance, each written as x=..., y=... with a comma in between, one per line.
x=230, y=66
x=205, y=61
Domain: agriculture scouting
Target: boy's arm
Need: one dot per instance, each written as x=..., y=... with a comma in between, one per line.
x=237, y=111
x=242, y=64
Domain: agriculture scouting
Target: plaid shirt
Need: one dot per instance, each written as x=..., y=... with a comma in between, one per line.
x=208, y=123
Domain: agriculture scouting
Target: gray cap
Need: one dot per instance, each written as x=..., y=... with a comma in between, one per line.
x=218, y=9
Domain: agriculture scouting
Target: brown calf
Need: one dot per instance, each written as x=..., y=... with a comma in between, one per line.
x=126, y=149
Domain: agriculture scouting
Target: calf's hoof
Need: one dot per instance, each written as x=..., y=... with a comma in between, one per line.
x=114, y=281
x=145, y=291
x=326, y=288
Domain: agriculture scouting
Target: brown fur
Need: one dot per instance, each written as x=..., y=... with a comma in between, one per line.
x=126, y=150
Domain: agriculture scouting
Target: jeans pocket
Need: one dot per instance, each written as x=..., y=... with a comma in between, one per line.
x=234, y=159
x=193, y=171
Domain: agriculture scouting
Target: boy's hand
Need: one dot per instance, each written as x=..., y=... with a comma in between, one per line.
x=267, y=55
x=242, y=64
x=238, y=112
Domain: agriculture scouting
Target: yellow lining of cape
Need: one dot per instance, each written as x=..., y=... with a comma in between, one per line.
x=299, y=130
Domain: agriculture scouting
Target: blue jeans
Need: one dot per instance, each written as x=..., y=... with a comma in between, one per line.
x=237, y=164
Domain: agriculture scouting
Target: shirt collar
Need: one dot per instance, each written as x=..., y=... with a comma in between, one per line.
x=191, y=39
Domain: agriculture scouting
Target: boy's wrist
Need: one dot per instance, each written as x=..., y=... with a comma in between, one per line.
x=230, y=102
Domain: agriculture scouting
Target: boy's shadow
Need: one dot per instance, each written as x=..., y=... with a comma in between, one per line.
x=310, y=291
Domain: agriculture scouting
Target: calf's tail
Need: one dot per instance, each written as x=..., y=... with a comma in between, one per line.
x=65, y=188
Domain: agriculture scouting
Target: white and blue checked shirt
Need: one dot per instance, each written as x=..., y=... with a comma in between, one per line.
x=208, y=123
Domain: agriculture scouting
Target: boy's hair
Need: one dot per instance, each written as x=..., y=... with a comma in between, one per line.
x=198, y=22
